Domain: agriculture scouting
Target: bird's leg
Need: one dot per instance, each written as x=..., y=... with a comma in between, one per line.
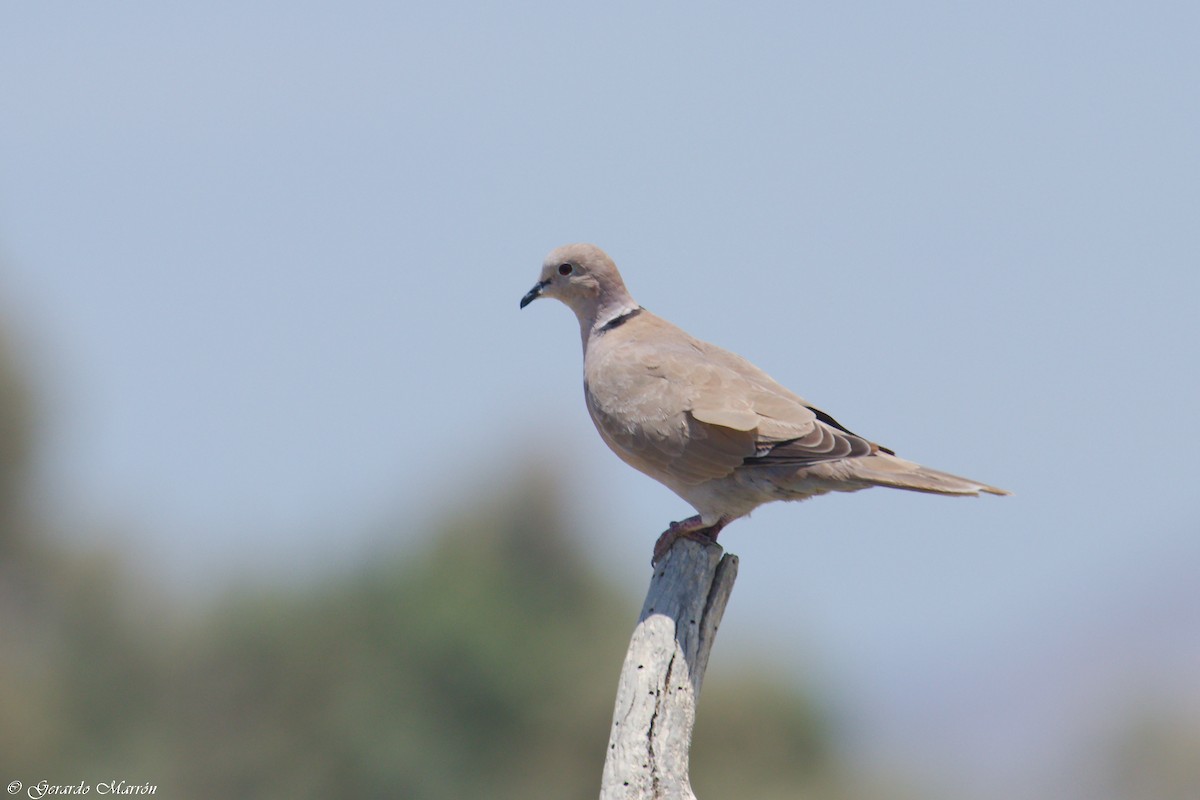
x=691, y=528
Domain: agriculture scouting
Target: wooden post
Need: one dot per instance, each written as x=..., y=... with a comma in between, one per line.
x=651, y=733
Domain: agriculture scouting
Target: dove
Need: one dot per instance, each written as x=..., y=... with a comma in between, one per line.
x=705, y=422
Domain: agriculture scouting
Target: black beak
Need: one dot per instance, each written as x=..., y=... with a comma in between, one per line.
x=534, y=293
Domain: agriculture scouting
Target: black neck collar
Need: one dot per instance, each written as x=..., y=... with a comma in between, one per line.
x=619, y=320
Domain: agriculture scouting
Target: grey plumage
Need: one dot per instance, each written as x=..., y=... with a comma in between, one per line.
x=706, y=423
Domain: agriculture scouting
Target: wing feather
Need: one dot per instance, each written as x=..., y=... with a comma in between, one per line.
x=687, y=412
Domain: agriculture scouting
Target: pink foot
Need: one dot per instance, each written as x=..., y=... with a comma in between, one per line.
x=690, y=528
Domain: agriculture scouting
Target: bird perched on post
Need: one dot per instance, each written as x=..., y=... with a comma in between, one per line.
x=704, y=422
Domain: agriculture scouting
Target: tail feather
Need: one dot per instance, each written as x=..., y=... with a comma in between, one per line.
x=882, y=469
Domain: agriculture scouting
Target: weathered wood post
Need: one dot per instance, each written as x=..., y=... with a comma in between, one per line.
x=651, y=733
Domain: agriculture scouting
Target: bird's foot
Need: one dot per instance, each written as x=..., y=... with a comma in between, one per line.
x=691, y=528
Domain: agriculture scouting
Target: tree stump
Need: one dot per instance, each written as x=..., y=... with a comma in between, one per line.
x=660, y=682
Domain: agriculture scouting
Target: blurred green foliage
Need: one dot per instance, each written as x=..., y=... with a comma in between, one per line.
x=482, y=665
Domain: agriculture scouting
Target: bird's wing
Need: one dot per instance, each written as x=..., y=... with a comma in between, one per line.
x=685, y=411
x=789, y=430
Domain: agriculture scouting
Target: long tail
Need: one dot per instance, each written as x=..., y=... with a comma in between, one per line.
x=882, y=469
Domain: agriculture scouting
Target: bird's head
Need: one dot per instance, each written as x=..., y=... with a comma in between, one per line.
x=584, y=278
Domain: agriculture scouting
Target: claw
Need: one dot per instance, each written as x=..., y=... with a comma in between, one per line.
x=691, y=528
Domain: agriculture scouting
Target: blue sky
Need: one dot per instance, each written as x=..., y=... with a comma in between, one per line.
x=266, y=259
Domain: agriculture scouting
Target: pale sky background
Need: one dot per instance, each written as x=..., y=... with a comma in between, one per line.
x=267, y=257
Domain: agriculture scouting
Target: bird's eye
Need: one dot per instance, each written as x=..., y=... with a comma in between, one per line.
x=565, y=269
